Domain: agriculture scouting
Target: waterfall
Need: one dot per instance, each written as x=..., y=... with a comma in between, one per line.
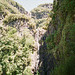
x=35, y=56
x=37, y=42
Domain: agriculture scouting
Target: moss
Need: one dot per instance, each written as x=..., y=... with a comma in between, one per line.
x=61, y=42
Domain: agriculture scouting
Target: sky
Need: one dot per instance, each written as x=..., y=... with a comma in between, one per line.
x=31, y=4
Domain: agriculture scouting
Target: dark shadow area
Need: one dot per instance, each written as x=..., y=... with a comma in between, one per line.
x=46, y=59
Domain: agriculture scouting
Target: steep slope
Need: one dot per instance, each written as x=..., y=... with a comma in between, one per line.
x=40, y=14
x=58, y=49
x=41, y=45
x=10, y=6
x=15, y=51
x=17, y=43
x=41, y=11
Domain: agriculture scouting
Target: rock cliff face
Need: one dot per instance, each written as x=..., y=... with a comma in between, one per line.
x=38, y=42
x=10, y=6
x=48, y=6
x=41, y=11
x=40, y=15
x=18, y=24
x=58, y=42
x=19, y=7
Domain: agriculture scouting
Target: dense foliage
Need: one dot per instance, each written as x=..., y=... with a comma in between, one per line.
x=15, y=46
x=57, y=50
x=13, y=17
x=15, y=51
x=40, y=14
x=61, y=42
x=10, y=6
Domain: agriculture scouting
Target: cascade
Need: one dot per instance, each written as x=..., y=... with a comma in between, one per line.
x=35, y=56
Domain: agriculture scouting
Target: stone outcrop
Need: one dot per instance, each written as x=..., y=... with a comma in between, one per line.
x=41, y=11
x=48, y=6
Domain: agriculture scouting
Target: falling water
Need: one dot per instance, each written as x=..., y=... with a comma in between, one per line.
x=35, y=55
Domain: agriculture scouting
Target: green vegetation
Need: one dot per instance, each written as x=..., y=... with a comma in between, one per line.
x=15, y=51
x=15, y=47
x=17, y=42
x=10, y=6
x=61, y=43
x=7, y=7
x=14, y=17
x=41, y=23
x=40, y=14
x=21, y=18
x=66, y=68
x=32, y=24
